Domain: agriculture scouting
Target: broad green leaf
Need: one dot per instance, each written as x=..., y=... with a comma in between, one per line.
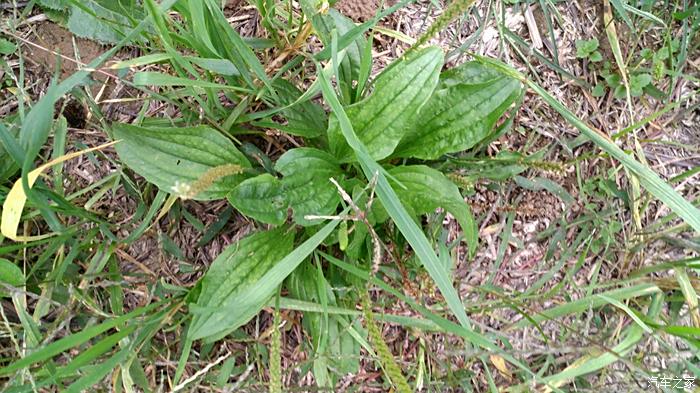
x=11, y=154
x=55, y=4
x=10, y=274
x=411, y=231
x=226, y=300
x=381, y=120
x=261, y=198
x=471, y=73
x=586, y=47
x=425, y=189
x=7, y=47
x=305, y=119
x=306, y=182
x=253, y=293
x=176, y=157
x=638, y=83
x=104, y=21
x=458, y=117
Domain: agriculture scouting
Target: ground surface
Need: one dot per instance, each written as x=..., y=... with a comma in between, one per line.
x=548, y=236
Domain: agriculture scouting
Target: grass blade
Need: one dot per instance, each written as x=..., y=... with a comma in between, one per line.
x=588, y=365
x=647, y=177
x=74, y=340
x=594, y=301
x=445, y=324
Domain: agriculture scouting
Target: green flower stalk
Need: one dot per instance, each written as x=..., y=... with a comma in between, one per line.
x=385, y=356
x=190, y=190
x=452, y=12
x=276, y=356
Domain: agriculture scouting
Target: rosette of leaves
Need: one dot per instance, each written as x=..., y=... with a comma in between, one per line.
x=409, y=116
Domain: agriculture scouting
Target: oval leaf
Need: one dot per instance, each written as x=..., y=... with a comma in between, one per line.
x=261, y=198
x=306, y=118
x=381, y=120
x=225, y=301
x=425, y=189
x=471, y=73
x=458, y=117
x=10, y=274
x=306, y=182
x=171, y=157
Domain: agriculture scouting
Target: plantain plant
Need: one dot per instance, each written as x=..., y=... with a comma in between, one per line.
x=366, y=166
x=409, y=114
x=414, y=113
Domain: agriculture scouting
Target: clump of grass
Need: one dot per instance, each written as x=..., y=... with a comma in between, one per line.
x=248, y=128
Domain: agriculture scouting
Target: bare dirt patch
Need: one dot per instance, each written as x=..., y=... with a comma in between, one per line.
x=358, y=10
x=53, y=45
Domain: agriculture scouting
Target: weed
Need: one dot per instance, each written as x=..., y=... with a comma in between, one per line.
x=588, y=49
x=344, y=179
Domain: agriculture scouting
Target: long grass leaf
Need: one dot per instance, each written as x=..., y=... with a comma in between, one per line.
x=445, y=324
x=647, y=177
x=74, y=340
x=594, y=301
x=587, y=365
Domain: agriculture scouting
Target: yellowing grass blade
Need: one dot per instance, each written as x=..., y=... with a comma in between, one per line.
x=16, y=198
x=689, y=293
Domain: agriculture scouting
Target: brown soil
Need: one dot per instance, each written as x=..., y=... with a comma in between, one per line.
x=523, y=262
x=233, y=4
x=358, y=10
x=52, y=45
x=52, y=50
